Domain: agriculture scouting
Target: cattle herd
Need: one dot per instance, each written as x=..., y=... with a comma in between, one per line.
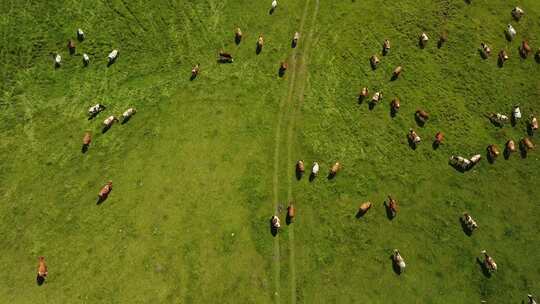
x=421, y=117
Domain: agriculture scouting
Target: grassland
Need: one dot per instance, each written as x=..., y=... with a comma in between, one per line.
x=203, y=165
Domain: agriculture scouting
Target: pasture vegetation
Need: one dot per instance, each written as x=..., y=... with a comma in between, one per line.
x=202, y=166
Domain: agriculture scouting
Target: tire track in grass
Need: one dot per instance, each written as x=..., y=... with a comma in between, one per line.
x=283, y=106
x=300, y=86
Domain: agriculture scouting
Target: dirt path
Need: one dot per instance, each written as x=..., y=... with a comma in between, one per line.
x=289, y=108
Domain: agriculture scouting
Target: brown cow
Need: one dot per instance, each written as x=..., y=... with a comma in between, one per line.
x=386, y=47
x=71, y=46
x=300, y=168
x=283, y=66
x=195, y=71
x=422, y=116
x=363, y=94
x=334, y=170
x=87, y=139
x=374, y=60
x=527, y=144
x=260, y=43
x=503, y=56
x=485, y=50
x=291, y=212
x=392, y=206
x=489, y=262
x=493, y=152
x=364, y=207
x=104, y=192
x=395, y=105
x=443, y=38
x=439, y=137
x=533, y=123
x=225, y=57
x=397, y=71
x=237, y=35
x=42, y=271
x=525, y=49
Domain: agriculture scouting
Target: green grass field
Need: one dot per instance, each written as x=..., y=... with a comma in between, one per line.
x=202, y=166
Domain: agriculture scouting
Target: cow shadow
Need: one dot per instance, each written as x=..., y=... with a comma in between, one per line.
x=294, y=44
x=360, y=213
x=298, y=174
x=420, y=44
x=412, y=144
x=465, y=228
x=281, y=72
x=384, y=51
x=105, y=129
x=102, y=199
x=483, y=54
x=395, y=267
x=84, y=148
x=522, y=151
x=389, y=214
x=522, y=54
x=507, y=36
x=192, y=77
x=393, y=112
x=331, y=175
x=125, y=120
x=372, y=105
x=506, y=153
x=537, y=57
x=288, y=219
x=530, y=130
x=485, y=270
x=237, y=39
x=490, y=158
x=361, y=99
x=435, y=145
x=312, y=177
x=273, y=230
x=500, y=62
x=258, y=49
x=40, y=280
x=271, y=11
x=419, y=121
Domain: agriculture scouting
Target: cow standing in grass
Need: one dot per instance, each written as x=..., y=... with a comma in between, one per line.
x=334, y=170
x=42, y=271
x=112, y=57
x=510, y=32
x=423, y=40
x=238, y=35
x=489, y=262
x=398, y=261
x=533, y=123
x=105, y=191
x=392, y=207
x=394, y=106
x=374, y=61
x=525, y=49
x=469, y=222
x=503, y=57
x=485, y=50
x=86, y=59
x=80, y=35
x=71, y=47
x=57, y=60
x=260, y=43
x=386, y=47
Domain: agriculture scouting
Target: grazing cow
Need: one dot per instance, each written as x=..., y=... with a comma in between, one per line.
x=475, y=159
x=386, y=47
x=57, y=60
x=498, y=119
x=295, y=39
x=510, y=32
x=80, y=35
x=533, y=123
x=510, y=146
x=42, y=271
x=503, y=56
x=530, y=299
x=274, y=4
x=225, y=57
x=300, y=168
x=374, y=61
x=442, y=39
x=109, y=121
x=414, y=139
x=397, y=72
x=517, y=13
x=489, y=262
x=104, y=192
x=85, y=59
x=423, y=40
x=260, y=43
x=363, y=93
x=334, y=170
x=87, y=139
x=112, y=56
x=439, y=137
x=460, y=162
x=315, y=169
x=94, y=110
x=291, y=212
x=71, y=46
x=493, y=152
x=422, y=116
x=364, y=207
x=195, y=71
x=392, y=206
x=399, y=262
x=276, y=224
x=283, y=66
x=527, y=144
x=469, y=222
x=395, y=105
x=238, y=35
x=485, y=50
x=377, y=97
x=128, y=113
x=516, y=113
x=525, y=49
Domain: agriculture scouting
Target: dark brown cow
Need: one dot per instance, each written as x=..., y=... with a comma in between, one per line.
x=525, y=49
x=503, y=56
x=237, y=35
x=395, y=105
x=422, y=116
x=443, y=38
x=104, y=192
x=71, y=46
x=493, y=152
x=439, y=137
x=392, y=206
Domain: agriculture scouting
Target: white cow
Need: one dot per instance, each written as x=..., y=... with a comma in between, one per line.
x=57, y=60
x=531, y=299
x=399, y=261
x=315, y=169
x=469, y=222
x=94, y=110
x=86, y=59
x=128, y=113
x=424, y=39
x=296, y=37
x=517, y=12
x=475, y=159
x=510, y=32
x=112, y=56
x=516, y=113
x=80, y=34
x=108, y=122
x=276, y=224
x=274, y=4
